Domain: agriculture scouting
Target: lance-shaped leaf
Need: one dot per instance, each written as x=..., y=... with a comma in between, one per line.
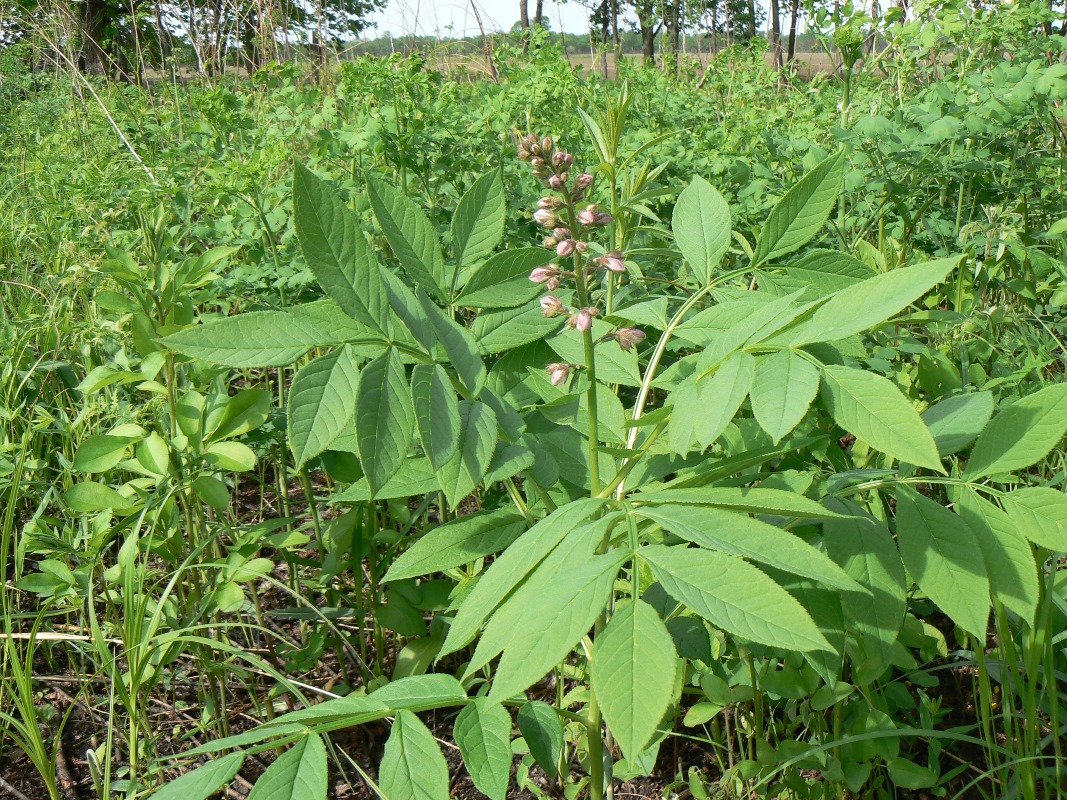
x=336, y=250
x=478, y=224
x=321, y=403
x=542, y=729
x=503, y=281
x=1040, y=513
x=254, y=339
x=874, y=410
x=701, y=225
x=483, y=735
x=410, y=234
x=634, y=669
x=436, y=413
x=204, y=781
x=477, y=441
x=298, y=774
x=384, y=418
x=749, y=499
x=802, y=212
x=412, y=766
x=734, y=595
x=702, y=409
x=955, y=422
x=942, y=554
x=1020, y=435
x=783, y=386
x=459, y=345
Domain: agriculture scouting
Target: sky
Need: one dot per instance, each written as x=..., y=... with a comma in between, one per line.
x=427, y=17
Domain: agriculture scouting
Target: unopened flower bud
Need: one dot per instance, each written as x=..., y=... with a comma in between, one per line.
x=561, y=232
x=601, y=219
x=553, y=283
x=545, y=218
x=547, y=145
x=543, y=274
x=558, y=373
x=551, y=306
x=562, y=159
x=556, y=182
x=565, y=248
x=583, y=320
x=612, y=261
x=551, y=203
x=581, y=247
x=628, y=337
x=550, y=241
x=583, y=181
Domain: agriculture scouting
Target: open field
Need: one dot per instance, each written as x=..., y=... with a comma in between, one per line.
x=375, y=432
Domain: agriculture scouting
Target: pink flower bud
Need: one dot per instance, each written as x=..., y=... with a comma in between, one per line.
x=587, y=217
x=583, y=181
x=547, y=145
x=551, y=306
x=558, y=373
x=562, y=159
x=536, y=162
x=601, y=219
x=555, y=182
x=565, y=248
x=561, y=232
x=581, y=247
x=553, y=283
x=549, y=202
x=550, y=241
x=583, y=320
x=545, y=273
x=628, y=337
x=545, y=218
x=612, y=261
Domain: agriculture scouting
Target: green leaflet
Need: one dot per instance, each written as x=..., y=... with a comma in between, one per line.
x=89, y=497
x=477, y=442
x=410, y=234
x=874, y=410
x=384, y=418
x=483, y=735
x=478, y=224
x=322, y=401
x=542, y=729
x=752, y=500
x=741, y=535
x=826, y=271
x=801, y=213
x=783, y=387
x=735, y=596
x=508, y=571
x=203, y=781
x=1009, y=558
x=701, y=226
x=457, y=543
x=865, y=550
x=243, y=412
x=253, y=339
x=634, y=670
x=337, y=252
x=702, y=409
x=415, y=476
x=298, y=774
x=955, y=422
x=436, y=413
x=503, y=281
x=412, y=766
x=554, y=623
x=497, y=331
x=102, y=452
x=941, y=554
x=1021, y=434
x=860, y=307
x=459, y=345
x=1040, y=513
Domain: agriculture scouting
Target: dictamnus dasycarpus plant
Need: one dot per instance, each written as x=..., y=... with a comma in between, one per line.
x=621, y=500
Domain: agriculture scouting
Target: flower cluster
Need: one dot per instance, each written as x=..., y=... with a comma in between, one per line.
x=566, y=223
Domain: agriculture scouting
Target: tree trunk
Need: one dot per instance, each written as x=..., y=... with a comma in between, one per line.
x=776, y=35
x=751, y=19
x=524, y=21
x=794, y=12
x=605, y=29
x=539, y=15
x=93, y=23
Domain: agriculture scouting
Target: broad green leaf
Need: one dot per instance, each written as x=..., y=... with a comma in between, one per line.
x=327, y=315
x=232, y=456
x=478, y=224
x=254, y=339
x=864, y=305
x=802, y=212
x=90, y=497
x=542, y=729
x=477, y=442
x=483, y=735
x=942, y=554
x=459, y=345
x=498, y=331
x=513, y=565
x=337, y=252
x=751, y=500
x=322, y=401
x=827, y=271
x=634, y=670
x=244, y=412
x=783, y=386
x=410, y=234
x=405, y=305
x=1009, y=558
x=955, y=422
x=412, y=766
x=1021, y=434
x=741, y=535
x=503, y=281
x=457, y=543
x=735, y=596
x=555, y=623
x=203, y=781
x=436, y=413
x=874, y=410
x=1040, y=513
x=384, y=419
x=415, y=476
x=701, y=225
x=300, y=773
x=702, y=409
x=101, y=453
x=865, y=550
